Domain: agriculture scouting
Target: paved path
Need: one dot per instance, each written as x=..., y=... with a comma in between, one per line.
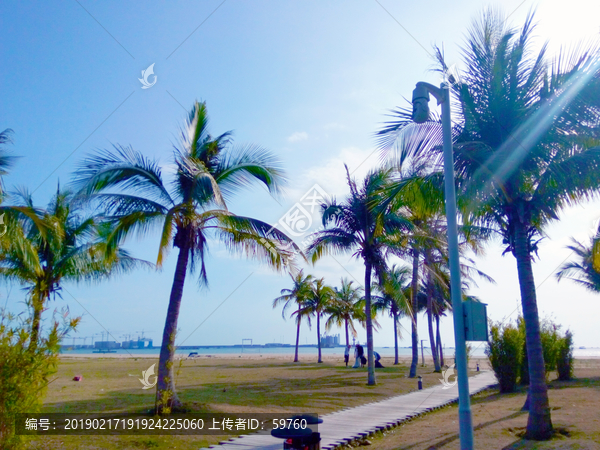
x=348, y=424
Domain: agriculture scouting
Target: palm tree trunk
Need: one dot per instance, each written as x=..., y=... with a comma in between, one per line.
x=319, y=336
x=37, y=304
x=439, y=339
x=347, y=335
x=369, y=322
x=297, y=340
x=414, y=332
x=436, y=363
x=166, y=396
x=396, y=338
x=539, y=423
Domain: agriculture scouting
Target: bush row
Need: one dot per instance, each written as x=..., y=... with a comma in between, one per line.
x=507, y=352
x=25, y=370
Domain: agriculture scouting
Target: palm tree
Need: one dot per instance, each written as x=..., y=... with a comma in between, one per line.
x=526, y=146
x=301, y=290
x=395, y=298
x=360, y=225
x=316, y=304
x=586, y=269
x=208, y=170
x=439, y=303
x=48, y=247
x=416, y=192
x=346, y=307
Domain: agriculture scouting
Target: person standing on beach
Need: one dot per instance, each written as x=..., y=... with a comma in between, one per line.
x=358, y=353
x=347, y=355
x=363, y=360
x=377, y=361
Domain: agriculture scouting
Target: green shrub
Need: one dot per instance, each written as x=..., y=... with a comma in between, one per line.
x=25, y=373
x=505, y=352
x=554, y=348
x=564, y=359
x=551, y=344
x=550, y=337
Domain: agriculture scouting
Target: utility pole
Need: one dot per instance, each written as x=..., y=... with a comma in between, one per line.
x=420, y=114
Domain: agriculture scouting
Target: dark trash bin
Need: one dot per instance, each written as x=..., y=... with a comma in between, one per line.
x=301, y=438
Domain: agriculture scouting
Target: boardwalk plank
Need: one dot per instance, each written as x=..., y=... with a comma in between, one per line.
x=352, y=423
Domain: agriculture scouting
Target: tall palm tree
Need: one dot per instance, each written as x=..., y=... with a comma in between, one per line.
x=395, y=298
x=438, y=305
x=433, y=281
x=301, y=290
x=317, y=302
x=48, y=247
x=208, y=170
x=416, y=192
x=526, y=146
x=360, y=225
x=585, y=270
x=346, y=307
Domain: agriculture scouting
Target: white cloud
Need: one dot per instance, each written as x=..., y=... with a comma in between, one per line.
x=331, y=174
x=298, y=136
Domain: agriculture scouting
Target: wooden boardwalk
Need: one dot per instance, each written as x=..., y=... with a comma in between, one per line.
x=346, y=425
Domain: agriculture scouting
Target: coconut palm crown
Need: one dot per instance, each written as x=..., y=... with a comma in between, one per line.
x=395, y=298
x=360, y=225
x=300, y=291
x=585, y=270
x=61, y=243
x=346, y=307
x=526, y=146
x=188, y=212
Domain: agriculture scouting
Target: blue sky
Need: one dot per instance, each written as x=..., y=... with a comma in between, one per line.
x=311, y=81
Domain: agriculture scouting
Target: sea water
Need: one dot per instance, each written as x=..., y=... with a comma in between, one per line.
x=477, y=350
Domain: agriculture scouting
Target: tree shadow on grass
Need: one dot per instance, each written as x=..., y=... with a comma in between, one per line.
x=592, y=382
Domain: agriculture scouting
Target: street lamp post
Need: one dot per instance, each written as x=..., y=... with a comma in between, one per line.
x=420, y=115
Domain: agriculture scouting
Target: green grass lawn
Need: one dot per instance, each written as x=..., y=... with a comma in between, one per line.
x=213, y=385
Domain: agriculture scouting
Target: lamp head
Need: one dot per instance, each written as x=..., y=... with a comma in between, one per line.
x=420, y=101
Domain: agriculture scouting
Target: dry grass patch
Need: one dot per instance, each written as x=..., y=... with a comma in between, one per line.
x=499, y=422
x=266, y=384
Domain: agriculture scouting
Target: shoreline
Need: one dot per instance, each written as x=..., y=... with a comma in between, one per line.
x=302, y=357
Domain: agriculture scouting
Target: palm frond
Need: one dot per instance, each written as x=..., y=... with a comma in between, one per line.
x=242, y=166
x=121, y=168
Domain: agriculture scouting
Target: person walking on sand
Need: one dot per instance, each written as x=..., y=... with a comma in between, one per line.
x=347, y=355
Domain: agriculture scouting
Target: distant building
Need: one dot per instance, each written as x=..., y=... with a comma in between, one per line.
x=140, y=343
x=106, y=345
x=330, y=341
